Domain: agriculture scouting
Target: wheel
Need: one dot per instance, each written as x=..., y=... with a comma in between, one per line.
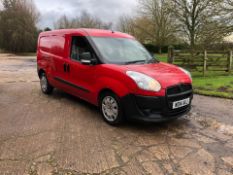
x=46, y=88
x=111, y=109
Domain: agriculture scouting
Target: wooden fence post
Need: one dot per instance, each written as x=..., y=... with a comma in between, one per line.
x=230, y=61
x=205, y=63
x=170, y=55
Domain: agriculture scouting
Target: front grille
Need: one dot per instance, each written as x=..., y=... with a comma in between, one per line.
x=162, y=106
x=179, y=89
x=176, y=93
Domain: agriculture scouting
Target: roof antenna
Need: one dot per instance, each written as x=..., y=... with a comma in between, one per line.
x=113, y=31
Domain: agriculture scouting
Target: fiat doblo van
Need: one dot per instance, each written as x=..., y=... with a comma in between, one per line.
x=114, y=72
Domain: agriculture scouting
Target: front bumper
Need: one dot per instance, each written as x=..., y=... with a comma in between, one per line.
x=154, y=109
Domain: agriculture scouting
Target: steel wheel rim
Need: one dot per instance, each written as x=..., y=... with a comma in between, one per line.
x=110, y=108
x=43, y=83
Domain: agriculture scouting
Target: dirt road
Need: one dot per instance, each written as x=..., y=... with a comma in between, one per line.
x=62, y=135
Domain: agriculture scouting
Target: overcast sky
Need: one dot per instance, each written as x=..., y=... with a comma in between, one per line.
x=107, y=10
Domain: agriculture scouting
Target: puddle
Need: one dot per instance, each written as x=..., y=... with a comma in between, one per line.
x=208, y=122
x=226, y=129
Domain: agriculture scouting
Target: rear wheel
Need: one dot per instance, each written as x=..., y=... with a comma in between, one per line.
x=46, y=88
x=111, y=109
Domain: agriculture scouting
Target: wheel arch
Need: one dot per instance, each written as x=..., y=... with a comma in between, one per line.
x=103, y=91
x=107, y=84
x=40, y=72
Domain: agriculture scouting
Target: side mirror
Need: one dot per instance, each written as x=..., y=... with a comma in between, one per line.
x=86, y=62
x=86, y=59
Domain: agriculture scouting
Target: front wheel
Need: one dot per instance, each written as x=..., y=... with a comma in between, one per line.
x=46, y=88
x=111, y=109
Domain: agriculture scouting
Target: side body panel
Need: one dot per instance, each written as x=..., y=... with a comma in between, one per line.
x=58, y=60
x=51, y=58
x=87, y=81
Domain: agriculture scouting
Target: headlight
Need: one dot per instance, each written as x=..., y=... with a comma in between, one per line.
x=186, y=72
x=144, y=82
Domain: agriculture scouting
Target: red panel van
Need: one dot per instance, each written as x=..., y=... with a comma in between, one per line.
x=115, y=72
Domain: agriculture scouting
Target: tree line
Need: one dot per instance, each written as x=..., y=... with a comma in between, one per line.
x=191, y=23
x=195, y=23
x=85, y=20
x=18, y=31
x=18, y=25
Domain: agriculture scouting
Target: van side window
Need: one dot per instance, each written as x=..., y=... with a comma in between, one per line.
x=79, y=45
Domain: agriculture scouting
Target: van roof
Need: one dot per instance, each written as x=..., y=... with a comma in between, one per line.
x=87, y=32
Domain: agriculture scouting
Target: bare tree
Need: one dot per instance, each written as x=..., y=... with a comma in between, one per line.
x=85, y=20
x=88, y=21
x=154, y=23
x=200, y=20
x=136, y=27
x=18, y=30
x=63, y=23
x=161, y=26
x=227, y=7
x=125, y=24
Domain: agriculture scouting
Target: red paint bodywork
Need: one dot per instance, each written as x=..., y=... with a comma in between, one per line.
x=54, y=50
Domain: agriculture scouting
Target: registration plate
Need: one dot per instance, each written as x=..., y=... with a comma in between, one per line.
x=181, y=103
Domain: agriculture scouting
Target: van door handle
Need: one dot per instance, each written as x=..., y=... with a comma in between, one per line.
x=65, y=67
x=68, y=68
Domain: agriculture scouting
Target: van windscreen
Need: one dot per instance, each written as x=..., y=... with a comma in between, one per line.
x=121, y=50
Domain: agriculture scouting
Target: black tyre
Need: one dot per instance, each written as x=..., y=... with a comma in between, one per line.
x=46, y=88
x=111, y=109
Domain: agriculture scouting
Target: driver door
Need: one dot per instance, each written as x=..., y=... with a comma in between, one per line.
x=82, y=77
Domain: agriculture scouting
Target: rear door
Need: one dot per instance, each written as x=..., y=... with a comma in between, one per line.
x=59, y=61
x=82, y=77
x=44, y=56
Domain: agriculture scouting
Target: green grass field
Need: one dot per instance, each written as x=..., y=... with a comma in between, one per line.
x=161, y=57
x=218, y=84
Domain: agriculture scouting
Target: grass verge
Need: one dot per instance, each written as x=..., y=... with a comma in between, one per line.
x=161, y=57
x=217, y=84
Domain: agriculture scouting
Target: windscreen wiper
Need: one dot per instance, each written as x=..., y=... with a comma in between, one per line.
x=134, y=62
